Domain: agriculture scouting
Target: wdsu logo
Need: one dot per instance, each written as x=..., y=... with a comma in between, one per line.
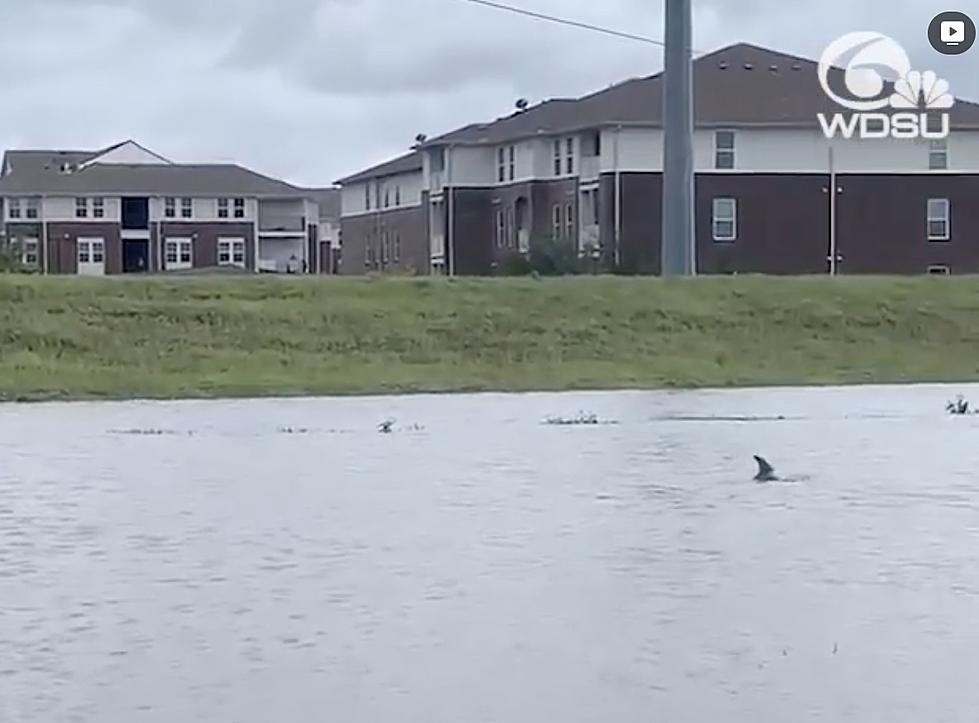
x=882, y=109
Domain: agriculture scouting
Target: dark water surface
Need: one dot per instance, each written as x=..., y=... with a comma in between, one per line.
x=262, y=561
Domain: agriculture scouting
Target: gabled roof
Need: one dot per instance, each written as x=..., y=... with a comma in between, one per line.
x=739, y=85
x=328, y=200
x=40, y=172
x=408, y=163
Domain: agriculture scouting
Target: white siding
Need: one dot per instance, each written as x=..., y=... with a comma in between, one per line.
x=791, y=151
x=408, y=186
x=62, y=208
x=204, y=210
x=129, y=152
x=475, y=166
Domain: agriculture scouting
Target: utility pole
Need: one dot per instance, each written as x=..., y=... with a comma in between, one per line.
x=679, y=257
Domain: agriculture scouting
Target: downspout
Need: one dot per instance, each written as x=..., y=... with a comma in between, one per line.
x=255, y=227
x=833, y=254
x=45, y=265
x=618, y=199
x=451, y=251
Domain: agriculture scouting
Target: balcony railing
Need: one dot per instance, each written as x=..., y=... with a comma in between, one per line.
x=282, y=224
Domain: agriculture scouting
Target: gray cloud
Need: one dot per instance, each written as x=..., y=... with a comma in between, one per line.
x=312, y=89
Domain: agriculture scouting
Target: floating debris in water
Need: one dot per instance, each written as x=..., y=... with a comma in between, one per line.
x=293, y=430
x=959, y=407
x=582, y=420
x=149, y=432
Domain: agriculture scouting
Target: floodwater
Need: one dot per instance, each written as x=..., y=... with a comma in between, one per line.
x=257, y=561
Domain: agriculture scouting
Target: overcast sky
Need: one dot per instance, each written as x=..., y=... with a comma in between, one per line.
x=310, y=90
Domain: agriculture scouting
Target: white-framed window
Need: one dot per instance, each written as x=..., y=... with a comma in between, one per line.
x=29, y=252
x=557, y=156
x=98, y=207
x=178, y=253
x=231, y=252
x=938, y=154
x=500, y=164
x=939, y=270
x=367, y=197
x=513, y=162
x=239, y=208
x=377, y=195
x=397, y=248
x=387, y=197
x=170, y=207
x=724, y=219
x=500, y=227
x=556, y=220
x=186, y=208
x=509, y=227
x=569, y=220
x=223, y=211
x=13, y=208
x=397, y=195
x=385, y=247
x=569, y=156
x=724, y=149
x=81, y=208
x=939, y=217
x=32, y=209
x=91, y=256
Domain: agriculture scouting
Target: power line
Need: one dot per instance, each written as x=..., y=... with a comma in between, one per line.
x=566, y=21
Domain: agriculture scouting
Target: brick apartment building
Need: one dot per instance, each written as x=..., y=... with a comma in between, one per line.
x=126, y=209
x=589, y=171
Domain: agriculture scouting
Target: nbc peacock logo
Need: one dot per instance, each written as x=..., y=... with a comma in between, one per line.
x=887, y=97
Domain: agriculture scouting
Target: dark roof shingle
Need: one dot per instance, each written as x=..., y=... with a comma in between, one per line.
x=402, y=164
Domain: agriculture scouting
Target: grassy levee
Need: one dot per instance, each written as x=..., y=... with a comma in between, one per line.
x=78, y=338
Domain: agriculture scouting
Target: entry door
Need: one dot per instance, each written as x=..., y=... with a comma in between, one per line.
x=91, y=256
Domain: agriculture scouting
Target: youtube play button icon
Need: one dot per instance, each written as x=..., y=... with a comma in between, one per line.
x=952, y=33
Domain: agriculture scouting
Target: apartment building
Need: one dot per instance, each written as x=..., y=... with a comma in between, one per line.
x=126, y=209
x=773, y=194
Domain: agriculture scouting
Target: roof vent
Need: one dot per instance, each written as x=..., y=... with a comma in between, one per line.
x=773, y=68
x=796, y=66
x=67, y=167
x=749, y=66
x=722, y=65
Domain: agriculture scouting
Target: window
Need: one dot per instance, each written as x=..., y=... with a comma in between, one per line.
x=239, y=208
x=725, y=219
x=32, y=208
x=178, y=253
x=367, y=197
x=81, y=208
x=569, y=160
x=724, y=150
x=186, y=207
x=397, y=247
x=938, y=155
x=938, y=219
x=397, y=195
x=84, y=253
x=939, y=270
x=509, y=227
x=170, y=207
x=222, y=208
x=385, y=246
x=500, y=228
x=594, y=144
x=556, y=220
x=569, y=220
x=500, y=165
x=367, y=253
x=91, y=251
x=13, y=209
x=513, y=162
x=377, y=196
x=557, y=157
x=29, y=256
x=98, y=208
x=231, y=252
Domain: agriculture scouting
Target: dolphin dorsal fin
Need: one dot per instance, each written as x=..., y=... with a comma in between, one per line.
x=764, y=468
